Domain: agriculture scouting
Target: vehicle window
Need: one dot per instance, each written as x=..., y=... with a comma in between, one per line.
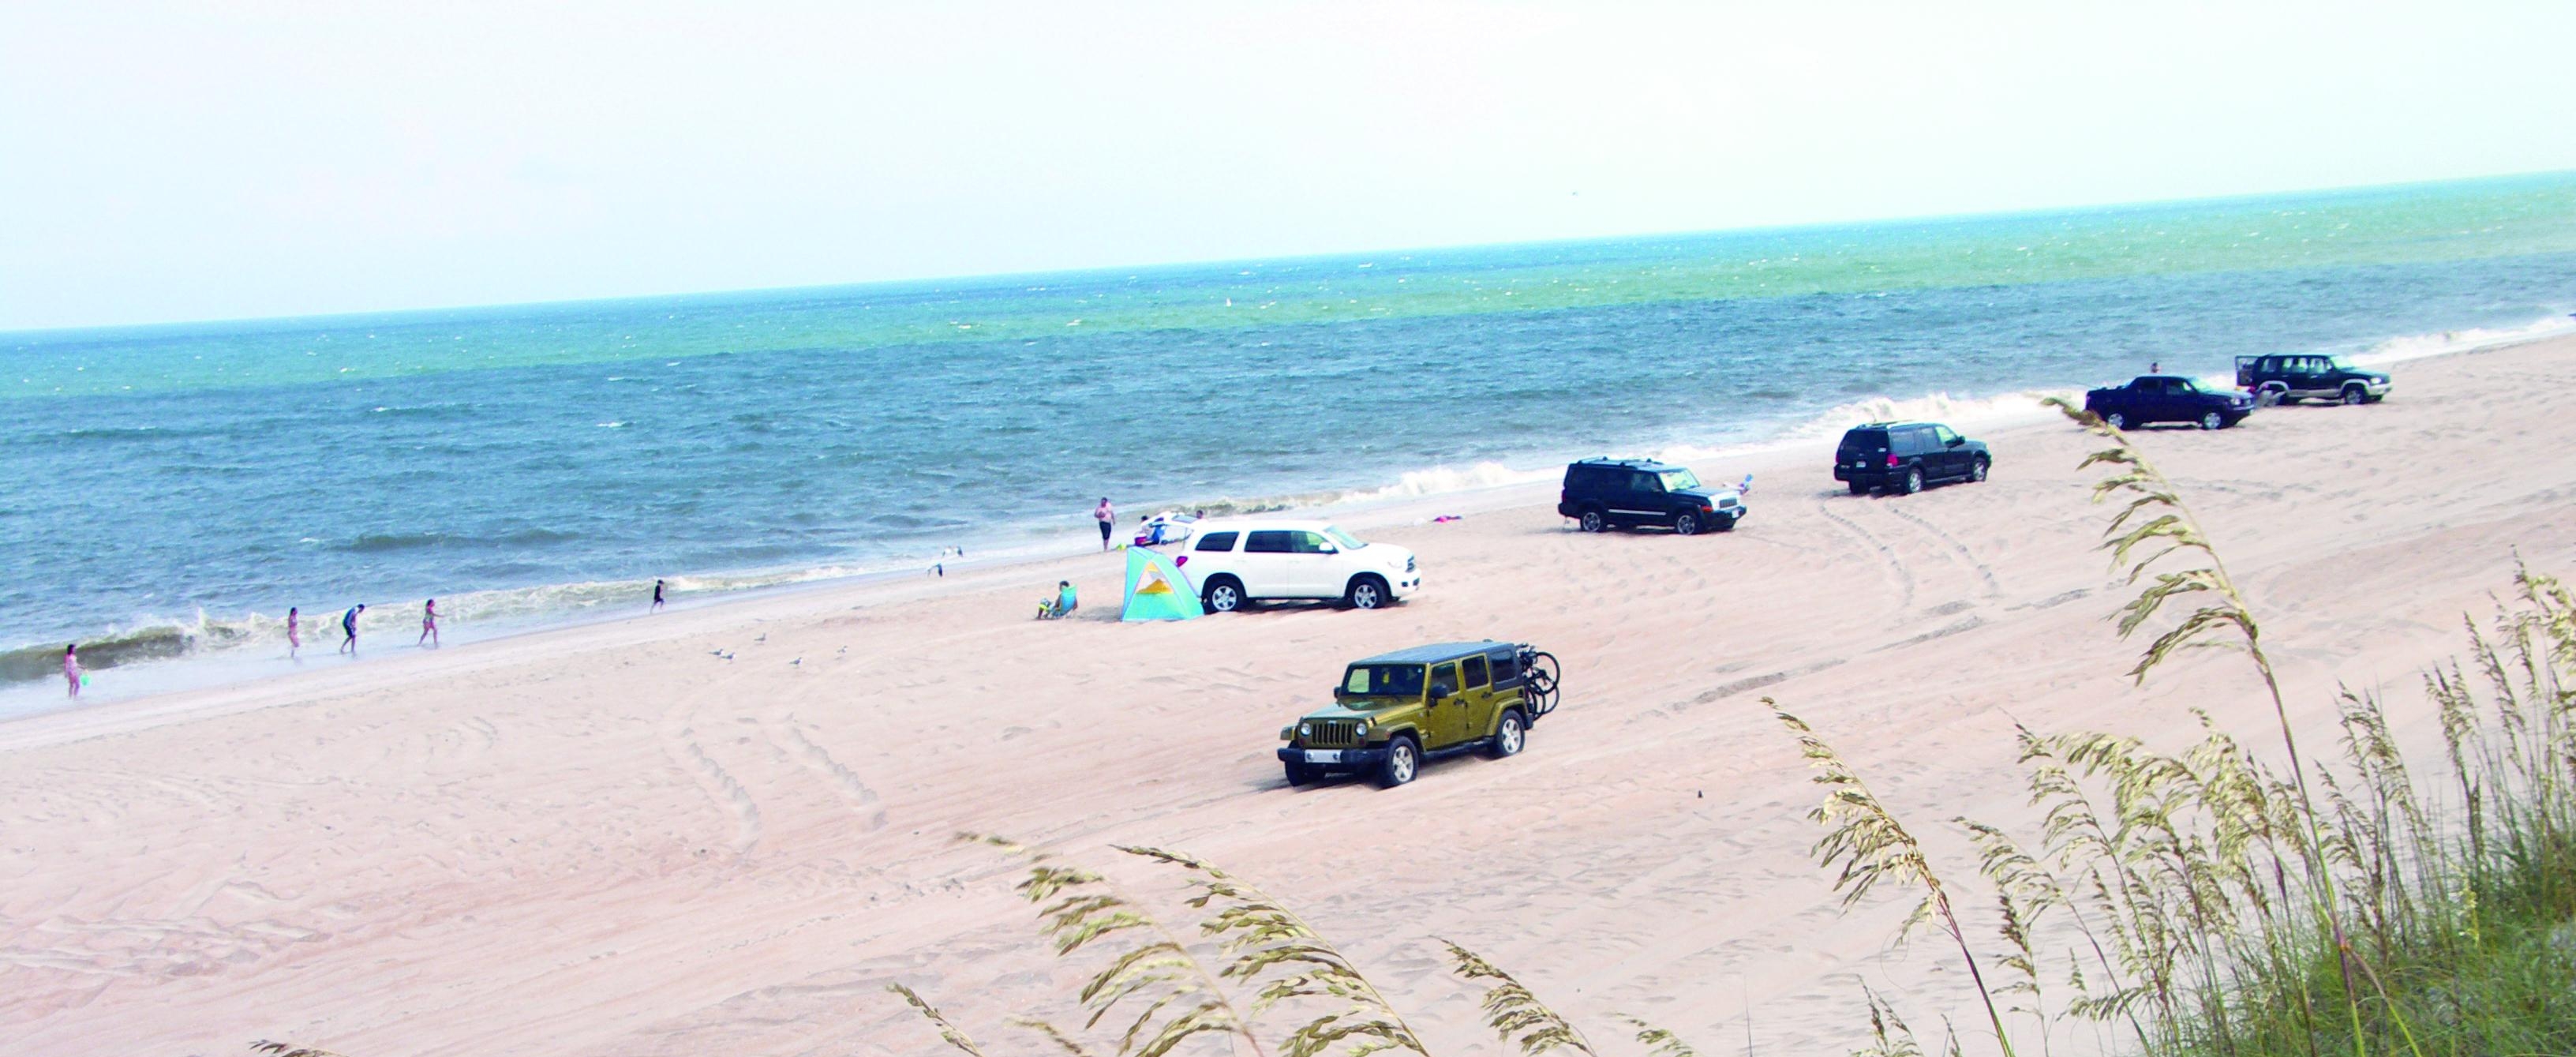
x=1919, y=440
x=1447, y=673
x=1267, y=541
x=1349, y=542
x=1471, y=673
x=1217, y=541
x=1400, y=680
x=1507, y=671
x=1944, y=435
x=1640, y=480
x=2341, y=363
x=1306, y=542
x=2186, y=385
x=1678, y=480
x=1866, y=440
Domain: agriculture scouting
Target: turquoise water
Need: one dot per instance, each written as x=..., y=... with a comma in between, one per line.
x=538, y=459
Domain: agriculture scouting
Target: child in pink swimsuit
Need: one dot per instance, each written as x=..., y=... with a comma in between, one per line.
x=428, y=623
x=71, y=667
x=294, y=635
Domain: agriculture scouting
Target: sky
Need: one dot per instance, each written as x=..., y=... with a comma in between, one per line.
x=168, y=162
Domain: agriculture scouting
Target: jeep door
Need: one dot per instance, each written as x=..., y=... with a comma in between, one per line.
x=1642, y=498
x=1475, y=698
x=1444, y=722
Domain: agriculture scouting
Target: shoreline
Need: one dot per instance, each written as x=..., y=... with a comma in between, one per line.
x=190, y=666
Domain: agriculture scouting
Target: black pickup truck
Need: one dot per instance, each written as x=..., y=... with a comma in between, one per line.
x=2152, y=398
x=2307, y=376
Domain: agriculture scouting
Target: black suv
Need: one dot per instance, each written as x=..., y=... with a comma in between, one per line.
x=1905, y=456
x=2290, y=379
x=1600, y=493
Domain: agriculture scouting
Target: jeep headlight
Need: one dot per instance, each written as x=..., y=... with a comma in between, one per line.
x=1362, y=730
x=1305, y=730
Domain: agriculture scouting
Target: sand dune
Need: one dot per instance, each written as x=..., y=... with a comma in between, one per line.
x=609, y=840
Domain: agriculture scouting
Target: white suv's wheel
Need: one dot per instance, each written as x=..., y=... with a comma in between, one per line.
x=1223, y=596
x=1366, y=592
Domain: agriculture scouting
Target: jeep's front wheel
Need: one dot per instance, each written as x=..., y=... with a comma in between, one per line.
x=1510, y=735
x=1303, y=774
x=1366, y=592
x=1224, y=595
x=1403, y=761
x=1686, y=523
x=1591, y=521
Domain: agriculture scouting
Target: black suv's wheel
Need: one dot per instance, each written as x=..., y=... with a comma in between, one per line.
x=1403, y=761
x=1858, y=487
x=2353, y=394
x=1592, y=521
x=1224, y=595
x=1977, y=469
x=1302, y=774
x=1510, y=735
x=2212, y=420
x=1913, y=480
x=2116, y=420
x=1686, y=523
x=1365, y=592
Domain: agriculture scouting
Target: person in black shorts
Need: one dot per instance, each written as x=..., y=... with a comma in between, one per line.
x=1108, y=518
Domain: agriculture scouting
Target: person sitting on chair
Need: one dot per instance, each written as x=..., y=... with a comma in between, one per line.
x=1064, y=603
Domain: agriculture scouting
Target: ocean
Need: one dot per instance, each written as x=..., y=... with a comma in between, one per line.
x=171, y=490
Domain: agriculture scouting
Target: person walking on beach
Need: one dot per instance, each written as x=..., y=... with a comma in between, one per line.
x=429, y=623
x=349, y=628
x=71, y=667
x=294, y=633
x=1108, y=517
x=657, y=598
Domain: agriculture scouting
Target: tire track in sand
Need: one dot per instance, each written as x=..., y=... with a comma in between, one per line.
x=1896, y=569
x=1984, y=572
x=680, y=742
x=862, y=800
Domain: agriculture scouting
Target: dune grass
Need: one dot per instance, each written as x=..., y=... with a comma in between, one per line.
x=2210, y=900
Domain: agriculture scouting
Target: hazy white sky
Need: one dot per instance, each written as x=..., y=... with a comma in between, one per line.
x=248, y=158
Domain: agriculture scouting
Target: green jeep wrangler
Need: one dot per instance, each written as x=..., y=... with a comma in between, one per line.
x=1395, y=710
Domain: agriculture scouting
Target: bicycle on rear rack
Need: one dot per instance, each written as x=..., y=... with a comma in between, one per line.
x=1539, y=679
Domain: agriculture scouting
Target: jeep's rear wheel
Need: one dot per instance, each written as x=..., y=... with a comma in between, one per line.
x=1686, y=523
x=1977, y=469
x=1913, y=480
x=2116, y=420
x=1858, y=487
x=1403, y=761
x=1510, y=735
x=1365, y=592
x=1302, y=774
x=1592, y=521
x=1224, y=595
x=2212, y=420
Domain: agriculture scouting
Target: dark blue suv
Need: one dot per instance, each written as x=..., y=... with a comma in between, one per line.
x=1905, y=456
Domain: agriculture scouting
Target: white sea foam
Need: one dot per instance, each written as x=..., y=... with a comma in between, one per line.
x=2419, y=346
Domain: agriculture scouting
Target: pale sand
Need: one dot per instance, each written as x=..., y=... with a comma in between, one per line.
x=604, y=840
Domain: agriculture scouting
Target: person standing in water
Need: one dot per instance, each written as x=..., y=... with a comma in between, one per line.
x=71, y=667
x=294, y=633
x=657, y=598
x=429, y=623
x=349, y=627
x=1108, y=517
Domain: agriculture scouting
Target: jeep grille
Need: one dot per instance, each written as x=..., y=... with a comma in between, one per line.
x=1335, y=734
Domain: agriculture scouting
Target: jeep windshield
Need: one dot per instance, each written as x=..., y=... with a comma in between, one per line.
x=1384, y=680
x=1679, y=480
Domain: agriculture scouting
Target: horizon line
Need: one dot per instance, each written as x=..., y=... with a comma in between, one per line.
x=986, y=277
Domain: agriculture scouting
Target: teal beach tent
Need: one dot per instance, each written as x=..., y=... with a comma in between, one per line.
x=1155, y=589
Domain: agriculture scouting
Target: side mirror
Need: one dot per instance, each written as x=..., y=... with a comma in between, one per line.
x=1329, y=549
x=1440, y=692
x=1956, y=441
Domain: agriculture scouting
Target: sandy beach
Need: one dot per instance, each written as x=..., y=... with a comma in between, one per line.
x=612, y=839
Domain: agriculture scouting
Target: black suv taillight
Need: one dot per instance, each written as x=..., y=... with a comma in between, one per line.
x=1891, y=458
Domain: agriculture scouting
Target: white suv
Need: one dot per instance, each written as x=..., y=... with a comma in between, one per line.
x=1238, y=561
